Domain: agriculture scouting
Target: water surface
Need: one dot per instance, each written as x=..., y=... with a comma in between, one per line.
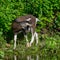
x=31, y=57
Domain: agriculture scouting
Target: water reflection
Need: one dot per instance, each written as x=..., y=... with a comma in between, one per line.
x=28, y=57
x=15, y=57
x=31, y=57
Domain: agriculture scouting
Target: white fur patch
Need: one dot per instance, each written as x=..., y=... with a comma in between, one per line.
x=36, y=35
x=32, y=39
x=28, y=19
x=28, y=24
x=15, y=38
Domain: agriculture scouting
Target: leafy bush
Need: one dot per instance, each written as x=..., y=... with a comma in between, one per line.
x=2, y=41
x=45, y=10
x=57, y=21
x=1, y=54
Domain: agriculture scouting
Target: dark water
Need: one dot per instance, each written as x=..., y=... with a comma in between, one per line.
x=30, y=57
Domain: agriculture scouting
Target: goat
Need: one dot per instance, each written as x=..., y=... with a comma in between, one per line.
x=25, y=24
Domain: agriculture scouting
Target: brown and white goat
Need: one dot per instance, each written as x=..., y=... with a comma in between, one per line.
x=25, y=24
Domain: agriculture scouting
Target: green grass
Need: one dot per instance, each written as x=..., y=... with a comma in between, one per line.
x=48, y=46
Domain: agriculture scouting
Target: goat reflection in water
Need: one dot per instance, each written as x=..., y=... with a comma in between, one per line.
x=29, y=57
x=25, y=24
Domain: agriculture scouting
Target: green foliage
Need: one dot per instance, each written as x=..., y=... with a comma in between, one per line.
x=2, y=42
x=44, y=10
x=8, y=11
x=1, y=54
x=57, y=21
x=51, y=43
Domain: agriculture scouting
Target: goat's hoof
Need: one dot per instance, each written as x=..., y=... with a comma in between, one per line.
x=28, y=45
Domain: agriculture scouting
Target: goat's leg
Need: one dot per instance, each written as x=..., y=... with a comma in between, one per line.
x=15, y=38
x=32, y=39
x=26, y=40
x=33, y=34
x=36, y=38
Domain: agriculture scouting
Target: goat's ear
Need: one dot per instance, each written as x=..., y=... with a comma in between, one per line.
x=28, y=19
